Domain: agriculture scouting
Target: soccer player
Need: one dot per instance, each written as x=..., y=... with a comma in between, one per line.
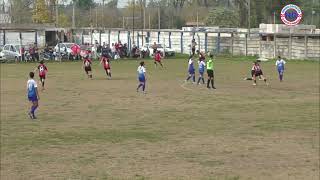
x=191, y=70
x=33, y=95
x=258, y=72
x=106, y=66
x=201, y=56
x=87, y=65
x=154, y=48
x=210, y=73
x=280, y=67
x=252, y=73
x=42, y=73
x=202, y=66
x=142, y=77
x=157, y=59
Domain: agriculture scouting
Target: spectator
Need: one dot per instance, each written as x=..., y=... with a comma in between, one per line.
x=154, y=47
x=99, y=47
x=22, y=51
x=48, y=52
x=32, y=53
x=36, y=52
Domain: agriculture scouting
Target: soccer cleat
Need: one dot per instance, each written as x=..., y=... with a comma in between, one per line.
x=254, y=84
x=208, y=87
x=30, y=115
x=214, y=87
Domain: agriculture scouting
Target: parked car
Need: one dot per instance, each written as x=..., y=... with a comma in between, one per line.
x=10, y=52
x=163, y=49
x=1, y=54
x=64, y=47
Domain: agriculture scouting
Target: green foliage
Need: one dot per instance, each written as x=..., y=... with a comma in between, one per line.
x=222, y=17
x=40, y=12
x=21, y=12
x=112, y=4
x=64, y=21
x=84, y=4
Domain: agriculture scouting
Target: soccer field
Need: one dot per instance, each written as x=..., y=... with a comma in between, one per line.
x=104, y=129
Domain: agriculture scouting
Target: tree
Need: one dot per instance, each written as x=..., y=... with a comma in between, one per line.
x=112, y=4
x=84, y=4
x=223, y=17
x=21, y=11
x=64, y=21
x=40, y=12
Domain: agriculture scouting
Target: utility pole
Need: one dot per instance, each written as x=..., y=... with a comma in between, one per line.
x=73, y=15
x=144, y=21
x=57, y=13
x=249, y=21
x=159, y=23
x=149, y=21
x=312, y=13
x=90, y=14
x=197, y=19
x=123, y=22
x=102, y=13
x=96, y=17
x=274, y=17
x=134, y=4
x=144, y=17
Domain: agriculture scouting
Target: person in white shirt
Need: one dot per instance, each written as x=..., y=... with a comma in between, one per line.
x=280, y=67
x=202, y=67
x=113, y=50
x=142, y=77
x=191, y=70
x=33, y=95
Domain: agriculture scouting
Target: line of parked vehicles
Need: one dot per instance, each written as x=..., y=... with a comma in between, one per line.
x=65, y=51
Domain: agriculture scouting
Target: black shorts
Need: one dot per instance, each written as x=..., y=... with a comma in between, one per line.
x=42, y=77
x=87, y=68
x=210, y=73
x=258, y=73
x=252, y=73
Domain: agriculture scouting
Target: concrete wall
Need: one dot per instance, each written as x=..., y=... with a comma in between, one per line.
x=303, y=46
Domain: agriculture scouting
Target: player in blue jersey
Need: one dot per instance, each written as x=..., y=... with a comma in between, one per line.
x=33, y=95
x=280, y=67
x=142, y=77
x=202, y=66
x=191, y=70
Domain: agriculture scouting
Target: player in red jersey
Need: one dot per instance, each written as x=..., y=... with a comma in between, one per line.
x=157, y=59
x=87, y=66
x=42, y=72
x=106, y=65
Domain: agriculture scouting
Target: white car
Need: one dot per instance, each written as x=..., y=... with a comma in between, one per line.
x=64, y=47
x=10, y=52
x=164, y=50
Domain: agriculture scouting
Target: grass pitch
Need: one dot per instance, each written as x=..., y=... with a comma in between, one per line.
x=104, y=129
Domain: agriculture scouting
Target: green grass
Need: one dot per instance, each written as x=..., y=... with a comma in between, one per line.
x=104, y=129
